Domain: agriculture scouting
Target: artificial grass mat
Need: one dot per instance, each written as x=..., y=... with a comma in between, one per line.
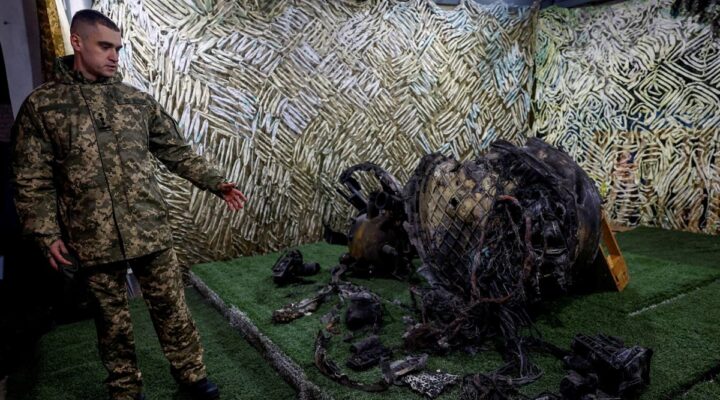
x=704, y=391
x=66, y=365
x=671, y=305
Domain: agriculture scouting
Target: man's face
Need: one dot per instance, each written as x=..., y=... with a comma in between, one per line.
x=96, y=51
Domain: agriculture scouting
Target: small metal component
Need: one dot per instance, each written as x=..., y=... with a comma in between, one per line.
x=393, y=371
x=430, y=384
x=290, y=268
x=364, y=310
x=622, y=371
x=367, y=353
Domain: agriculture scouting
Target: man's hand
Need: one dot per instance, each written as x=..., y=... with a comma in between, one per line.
x=57, y=249
x=233, y=197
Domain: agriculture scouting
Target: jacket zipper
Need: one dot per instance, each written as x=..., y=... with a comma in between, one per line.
x=107, y=182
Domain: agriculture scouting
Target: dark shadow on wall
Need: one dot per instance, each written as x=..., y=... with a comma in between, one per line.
x=32, y=296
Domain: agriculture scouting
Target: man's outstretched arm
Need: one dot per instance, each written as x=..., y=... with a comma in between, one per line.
x=234, y=198
x=168, y=146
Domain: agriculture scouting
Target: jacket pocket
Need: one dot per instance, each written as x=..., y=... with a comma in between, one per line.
x=131, y=123
x=61, y=123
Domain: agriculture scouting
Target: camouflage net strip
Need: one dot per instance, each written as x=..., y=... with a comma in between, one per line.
x=285, y=367
x=632, y=93
x=52, y=42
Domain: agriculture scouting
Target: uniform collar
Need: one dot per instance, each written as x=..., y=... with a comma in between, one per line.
x=65, y=73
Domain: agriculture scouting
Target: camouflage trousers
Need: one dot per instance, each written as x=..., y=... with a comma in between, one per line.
x=160, y=279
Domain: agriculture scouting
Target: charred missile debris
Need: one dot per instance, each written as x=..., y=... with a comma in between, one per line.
x=364, y=310
x=367, y=353
x=488, y=386
x=604, y=367
x=290, y=268
x=377, y=240
x=430, y=384
x=495, y=234
x=513, y=227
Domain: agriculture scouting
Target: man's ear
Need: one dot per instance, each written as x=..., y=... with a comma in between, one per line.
x=75, y=41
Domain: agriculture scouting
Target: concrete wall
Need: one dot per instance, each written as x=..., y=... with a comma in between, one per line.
x=74, y=6
x=20, y=41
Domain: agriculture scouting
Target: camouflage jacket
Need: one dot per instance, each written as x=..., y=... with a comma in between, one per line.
x=83, y=169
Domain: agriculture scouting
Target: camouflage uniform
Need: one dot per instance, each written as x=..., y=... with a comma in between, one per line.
x=159, y=277
x=83, y=172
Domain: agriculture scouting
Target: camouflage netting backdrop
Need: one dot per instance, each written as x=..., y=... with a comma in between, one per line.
x=286, y=95
x=633, y=94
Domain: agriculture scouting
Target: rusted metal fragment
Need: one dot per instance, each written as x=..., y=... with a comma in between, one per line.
x=377, y=242
x=330, y=369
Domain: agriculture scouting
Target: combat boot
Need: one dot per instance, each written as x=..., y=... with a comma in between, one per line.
x=204, y=389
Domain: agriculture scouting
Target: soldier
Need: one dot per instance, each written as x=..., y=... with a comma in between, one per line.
x=86, y=191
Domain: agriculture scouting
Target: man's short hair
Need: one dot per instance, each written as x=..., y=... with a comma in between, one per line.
x=91, y=18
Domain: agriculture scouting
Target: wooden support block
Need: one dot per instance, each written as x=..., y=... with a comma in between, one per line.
x=614, y=260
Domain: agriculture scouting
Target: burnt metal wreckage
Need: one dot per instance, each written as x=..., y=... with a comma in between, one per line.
x=494, y=235
x=377, y=240
x=291, y=268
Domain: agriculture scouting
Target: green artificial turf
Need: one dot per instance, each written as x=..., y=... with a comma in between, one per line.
x=66, y=365
x=704, y=391
x=671, y=305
